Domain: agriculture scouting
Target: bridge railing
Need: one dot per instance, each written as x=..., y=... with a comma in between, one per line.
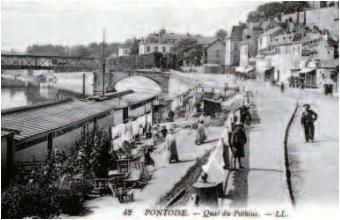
x=11, y=61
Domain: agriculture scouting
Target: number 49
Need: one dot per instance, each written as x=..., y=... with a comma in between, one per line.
x=127, y=212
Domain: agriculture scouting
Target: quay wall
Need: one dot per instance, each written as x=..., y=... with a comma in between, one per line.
x=73, y=81
x=18, y=81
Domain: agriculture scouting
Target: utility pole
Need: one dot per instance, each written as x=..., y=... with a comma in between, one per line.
x=103, y=62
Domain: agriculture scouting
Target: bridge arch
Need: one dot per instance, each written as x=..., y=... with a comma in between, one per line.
x=160, y=78
x=139, y=83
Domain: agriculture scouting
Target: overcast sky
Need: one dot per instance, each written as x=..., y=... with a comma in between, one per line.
x=80, y=22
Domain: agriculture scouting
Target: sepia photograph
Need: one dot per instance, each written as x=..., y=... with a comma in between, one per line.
x=170, y=109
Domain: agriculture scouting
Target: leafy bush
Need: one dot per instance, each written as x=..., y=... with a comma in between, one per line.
x=90, y=154
x=34, y=201
x=29, y=201
x=82, y=187
x=62, y=184
x=70, y=202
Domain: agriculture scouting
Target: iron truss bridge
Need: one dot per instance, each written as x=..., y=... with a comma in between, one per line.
x=57, y=63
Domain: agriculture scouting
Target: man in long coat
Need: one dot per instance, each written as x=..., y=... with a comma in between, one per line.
x=307, y=120
x=245, y=115
x=239, y=138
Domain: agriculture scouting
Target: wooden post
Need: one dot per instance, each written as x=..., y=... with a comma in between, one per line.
x=152, y=113
x=49, y=143
x=95, y=125
x=83, y=85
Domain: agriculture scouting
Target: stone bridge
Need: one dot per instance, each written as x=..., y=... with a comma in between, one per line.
x=161, y=78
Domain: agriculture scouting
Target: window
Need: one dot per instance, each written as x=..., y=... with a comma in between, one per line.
x=156, y=49
x=164, y=49
x=148, y=49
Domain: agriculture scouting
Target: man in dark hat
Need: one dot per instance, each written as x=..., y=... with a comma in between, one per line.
x=238, y=140
x=307, y=120
x=164, y=131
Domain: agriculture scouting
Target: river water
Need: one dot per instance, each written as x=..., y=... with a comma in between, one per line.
x=12, y=97
x=21, y=96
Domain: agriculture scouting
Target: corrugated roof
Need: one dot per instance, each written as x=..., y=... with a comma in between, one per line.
x=137, y=97
x=34, y=120
x=5, y=132
x=39, y=120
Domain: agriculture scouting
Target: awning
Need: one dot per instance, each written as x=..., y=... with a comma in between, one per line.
x=212, y=65
x=329, y=82
x=268, y=68
x=307, y=70
x=243, y=69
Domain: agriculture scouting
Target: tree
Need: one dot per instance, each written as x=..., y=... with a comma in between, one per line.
x=94, y=49
x=48, y=49
x=162, y=31
x=242, y=25
x=291, y=6
x=274, y=9
x=133, y=44
x=221, y=34
x=90, y=153
x=188, y=49
x=253, y=16
x=80, y=51
x=270, y=9
x=135, y=47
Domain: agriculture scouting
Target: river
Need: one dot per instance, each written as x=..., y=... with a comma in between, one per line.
x=12, y=97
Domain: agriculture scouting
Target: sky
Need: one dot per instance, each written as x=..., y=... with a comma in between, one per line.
x=24, y=23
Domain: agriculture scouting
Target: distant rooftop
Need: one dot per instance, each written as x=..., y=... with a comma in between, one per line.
x=330, y=63
x=236, y=32
x=214, y=41
x=173, y=38
x=273, y=31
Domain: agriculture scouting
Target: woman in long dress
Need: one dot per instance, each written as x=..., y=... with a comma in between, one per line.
x=147, y=150
x=200, y=135
x=225, y=140
x=171, y=146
